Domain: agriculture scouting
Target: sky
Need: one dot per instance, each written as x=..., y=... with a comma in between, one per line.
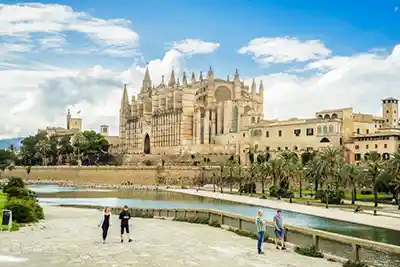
x=311, y=55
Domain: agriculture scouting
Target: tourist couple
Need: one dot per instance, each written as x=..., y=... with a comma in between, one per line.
x=105, y=223
x=279, y=230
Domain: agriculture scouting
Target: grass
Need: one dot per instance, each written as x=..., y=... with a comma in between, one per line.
x=354, y=264
x=15, y=226
x=311, y=251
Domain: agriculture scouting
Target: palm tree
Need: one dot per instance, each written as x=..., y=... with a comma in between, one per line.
x=373, y=167
x=350, y=175
x=291, y=168
x=394, y=172
x=328, y=163
x=306, y=157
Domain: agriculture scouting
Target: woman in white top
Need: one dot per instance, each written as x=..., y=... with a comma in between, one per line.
x=105, y=223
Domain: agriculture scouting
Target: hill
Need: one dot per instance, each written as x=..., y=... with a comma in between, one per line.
x=5, y=143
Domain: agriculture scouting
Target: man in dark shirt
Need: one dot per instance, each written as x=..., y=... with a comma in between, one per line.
x=125, y=216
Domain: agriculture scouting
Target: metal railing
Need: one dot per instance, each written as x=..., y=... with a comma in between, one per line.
x=346, y=247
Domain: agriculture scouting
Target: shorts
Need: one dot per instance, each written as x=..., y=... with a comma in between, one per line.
x=279, y=233
x=124, y=228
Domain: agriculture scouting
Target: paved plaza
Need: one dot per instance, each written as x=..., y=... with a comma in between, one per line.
x=70, y=237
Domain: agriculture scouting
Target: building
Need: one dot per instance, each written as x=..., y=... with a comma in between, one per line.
x=73, y=126
x=204, y=115
x=357, y=133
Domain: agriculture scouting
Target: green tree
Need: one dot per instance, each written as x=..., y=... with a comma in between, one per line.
x=29, y=149
x=373, y=169
x=306, y=157
x=351, y=175
x=394, y=172
x=90, y=146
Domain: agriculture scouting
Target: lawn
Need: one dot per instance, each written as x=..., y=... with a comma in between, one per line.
x=347, y=195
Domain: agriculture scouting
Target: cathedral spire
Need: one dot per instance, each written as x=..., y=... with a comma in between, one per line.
x=193, y=78
x=162, y=84
x=227, y=78
x=184, y=80
x=210, y=74
x=253, y=85
x=146, y=81
x=201, y=76
x=236, y=77
x=177, y=82
x=125, y=99
x=172, y=81
x=261, y=88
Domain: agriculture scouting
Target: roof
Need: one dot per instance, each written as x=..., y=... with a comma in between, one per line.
x=390, y=98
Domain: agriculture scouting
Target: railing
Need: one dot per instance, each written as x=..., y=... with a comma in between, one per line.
x=335, y=244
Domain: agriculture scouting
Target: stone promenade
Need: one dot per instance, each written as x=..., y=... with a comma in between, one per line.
x=70, y=237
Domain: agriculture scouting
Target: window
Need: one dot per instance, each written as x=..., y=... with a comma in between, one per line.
x=325, y=129
x=267, y=134
x=367, y=131
x=279, y=148
x=310, y=131
x=358, y=130
x=366, y=146
x=267, y=148
x=295, y=148
x=376, y=146
x=385, y=145
x=357, y=147
x=286, y=148
x=319, y=130
x=357, y=157
x=297, y=132
x=244, y=135
x=280, y=133
x=330, y=128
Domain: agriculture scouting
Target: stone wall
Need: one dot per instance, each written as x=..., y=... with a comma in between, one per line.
x=141, y=175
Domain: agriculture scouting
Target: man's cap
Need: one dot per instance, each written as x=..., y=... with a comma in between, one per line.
x=125, y=206
x=279, y=211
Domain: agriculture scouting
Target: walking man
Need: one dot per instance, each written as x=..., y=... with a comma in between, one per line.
x=125, y=216
x=260, y=224
x=279, y=230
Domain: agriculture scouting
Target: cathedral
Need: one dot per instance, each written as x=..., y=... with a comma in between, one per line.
x=197, y=115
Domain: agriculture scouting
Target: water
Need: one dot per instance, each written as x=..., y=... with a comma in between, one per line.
x=162, y=199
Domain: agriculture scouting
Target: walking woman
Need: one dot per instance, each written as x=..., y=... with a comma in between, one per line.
x=105, y=223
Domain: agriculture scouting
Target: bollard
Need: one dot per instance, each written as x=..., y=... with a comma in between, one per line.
x=6, y=219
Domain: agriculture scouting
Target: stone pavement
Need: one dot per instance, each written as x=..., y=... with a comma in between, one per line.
x=70, y=237
x=332, y=213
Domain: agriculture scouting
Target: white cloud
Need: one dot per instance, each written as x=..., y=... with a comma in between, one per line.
x=32, y=99
x=56, y=42
x=195, y=46
x=360, y=81
x=23, y=20
x=7, y=48
x=284, y=50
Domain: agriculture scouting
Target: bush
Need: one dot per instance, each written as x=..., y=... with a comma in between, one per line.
x=309, y=251
x=248, y=188
x=333, y=197
x=21, y=193
x=14, y=182
x=246, y=233
x=148, y=162
x=24, y=211
x=354, y=264
x=366, y=192
x=274, y=191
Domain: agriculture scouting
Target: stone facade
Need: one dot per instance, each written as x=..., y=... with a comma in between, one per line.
x=196, y=116
x=357, y=133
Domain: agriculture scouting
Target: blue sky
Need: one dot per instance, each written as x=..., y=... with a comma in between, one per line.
x=314, y=43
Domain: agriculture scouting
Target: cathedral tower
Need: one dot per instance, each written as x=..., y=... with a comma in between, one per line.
x=390, y=108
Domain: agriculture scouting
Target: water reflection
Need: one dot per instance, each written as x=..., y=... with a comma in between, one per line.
x=162, y=199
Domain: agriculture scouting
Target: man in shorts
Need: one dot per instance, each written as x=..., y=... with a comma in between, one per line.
x=125, y=216
x=279, y=230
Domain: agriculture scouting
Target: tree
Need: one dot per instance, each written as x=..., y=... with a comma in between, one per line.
x=29, y=149
x=394, y=172
x=373, y=168
x=306, y=157
x=89, y=146
x=351, y=175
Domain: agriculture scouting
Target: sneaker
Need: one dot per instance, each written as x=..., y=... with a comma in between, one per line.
x=283, y=248
x=104, y=241
x=130, y=240
x=261, y=252
x=277, y=247
x=122, y=241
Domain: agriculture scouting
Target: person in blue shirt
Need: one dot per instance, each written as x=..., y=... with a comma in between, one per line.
x=279, y=230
